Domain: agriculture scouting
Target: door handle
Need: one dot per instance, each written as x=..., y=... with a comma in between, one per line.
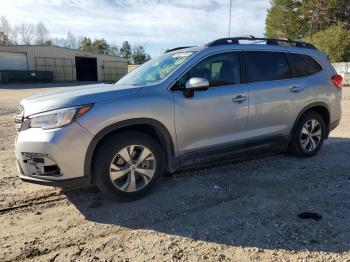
x=296, y=89
x=239, y=99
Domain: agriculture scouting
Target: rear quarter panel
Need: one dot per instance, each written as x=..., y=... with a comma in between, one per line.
x=321, y=89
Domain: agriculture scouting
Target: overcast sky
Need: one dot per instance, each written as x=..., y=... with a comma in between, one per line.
x=156, y=24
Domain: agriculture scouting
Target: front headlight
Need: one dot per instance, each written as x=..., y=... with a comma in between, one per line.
x=58, y=118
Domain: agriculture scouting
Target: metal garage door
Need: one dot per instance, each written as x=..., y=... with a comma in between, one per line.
x=13, y=61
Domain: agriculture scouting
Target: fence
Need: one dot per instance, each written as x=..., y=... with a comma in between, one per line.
x=342, y=68
x=62, y=68
x=112, y=71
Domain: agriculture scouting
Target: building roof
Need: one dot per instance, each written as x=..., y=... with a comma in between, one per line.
x=56, y=46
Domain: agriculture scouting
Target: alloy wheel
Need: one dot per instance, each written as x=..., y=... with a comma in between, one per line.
x=132, y=168
x=311, y=135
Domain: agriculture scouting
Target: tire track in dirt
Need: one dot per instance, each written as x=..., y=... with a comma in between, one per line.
x=32, y=203
x=37, y=253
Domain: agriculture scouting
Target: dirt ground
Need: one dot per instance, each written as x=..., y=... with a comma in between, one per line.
x=245, y=211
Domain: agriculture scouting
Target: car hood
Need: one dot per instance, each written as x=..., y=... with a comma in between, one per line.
x=73, y=96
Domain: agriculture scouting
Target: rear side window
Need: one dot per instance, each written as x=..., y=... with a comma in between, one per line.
x=304, y=65
x=266, y=66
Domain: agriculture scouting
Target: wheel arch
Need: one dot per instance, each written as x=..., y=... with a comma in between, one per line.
x=146, y=125
x=320, y=108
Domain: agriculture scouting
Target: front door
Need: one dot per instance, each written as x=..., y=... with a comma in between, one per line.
x=216, y=117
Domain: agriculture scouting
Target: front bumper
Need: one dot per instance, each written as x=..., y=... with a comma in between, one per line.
x=63, y=183
x=53, y=157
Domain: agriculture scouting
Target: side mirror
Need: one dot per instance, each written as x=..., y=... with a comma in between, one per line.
x=195, y=84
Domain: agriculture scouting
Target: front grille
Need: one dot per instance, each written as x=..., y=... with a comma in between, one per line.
x=19, y=117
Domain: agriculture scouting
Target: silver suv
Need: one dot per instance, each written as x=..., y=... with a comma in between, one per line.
x=230, y=97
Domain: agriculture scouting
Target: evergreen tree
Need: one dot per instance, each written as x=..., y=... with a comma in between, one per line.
x=113, y=50
x=285, y=19
x=139, y=55
x=125, y=51
x=325, y=23
x=100, y=46
x=301, y=18
x=86, y=45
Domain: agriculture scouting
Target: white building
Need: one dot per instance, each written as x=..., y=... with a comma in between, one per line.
x=64, y=64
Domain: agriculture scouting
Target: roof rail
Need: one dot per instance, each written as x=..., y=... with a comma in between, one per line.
x=177, y=48
x=269, y=41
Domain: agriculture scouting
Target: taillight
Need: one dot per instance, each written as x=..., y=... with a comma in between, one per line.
x=337, y=81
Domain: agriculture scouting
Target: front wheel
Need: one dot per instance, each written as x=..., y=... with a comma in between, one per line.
x=308, y=135
x=128, y=165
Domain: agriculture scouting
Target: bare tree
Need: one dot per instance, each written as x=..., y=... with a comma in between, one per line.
x=80, y=40
x=42, y=34
x=27, y=33
x=71, y=41
x=14, y=35
x=5, y=25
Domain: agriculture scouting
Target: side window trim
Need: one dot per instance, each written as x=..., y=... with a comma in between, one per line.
x=285, y=54
x=174, y=87
x=291, y=65
x=243, y=69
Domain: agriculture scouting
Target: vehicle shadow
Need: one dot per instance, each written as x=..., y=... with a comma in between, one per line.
x=254, y=203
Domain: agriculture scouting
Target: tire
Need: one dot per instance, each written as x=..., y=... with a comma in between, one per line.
x=119, y=174
x=303, y=135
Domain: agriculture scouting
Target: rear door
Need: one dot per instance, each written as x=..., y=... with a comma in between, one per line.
x=275, y=98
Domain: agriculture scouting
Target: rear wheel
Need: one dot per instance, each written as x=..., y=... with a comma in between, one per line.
x=308, y=135
x=128, y=165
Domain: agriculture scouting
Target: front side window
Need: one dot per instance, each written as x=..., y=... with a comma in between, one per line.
x=266, y=66
x=155, y=70
x=220, y=70
x=304, y=65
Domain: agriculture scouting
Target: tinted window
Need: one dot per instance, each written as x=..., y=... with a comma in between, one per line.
x=304, y=65
x=220, y=70
x=266, y=66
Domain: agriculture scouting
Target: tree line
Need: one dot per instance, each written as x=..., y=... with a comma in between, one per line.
x=30, y=34
x=324, y=23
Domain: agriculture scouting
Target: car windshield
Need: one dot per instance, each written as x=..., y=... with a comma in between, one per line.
x=155, y=70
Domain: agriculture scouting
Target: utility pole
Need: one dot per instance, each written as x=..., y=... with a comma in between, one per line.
x=229, y=21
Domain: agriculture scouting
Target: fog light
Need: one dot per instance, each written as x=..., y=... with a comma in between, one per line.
x=41, y=164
